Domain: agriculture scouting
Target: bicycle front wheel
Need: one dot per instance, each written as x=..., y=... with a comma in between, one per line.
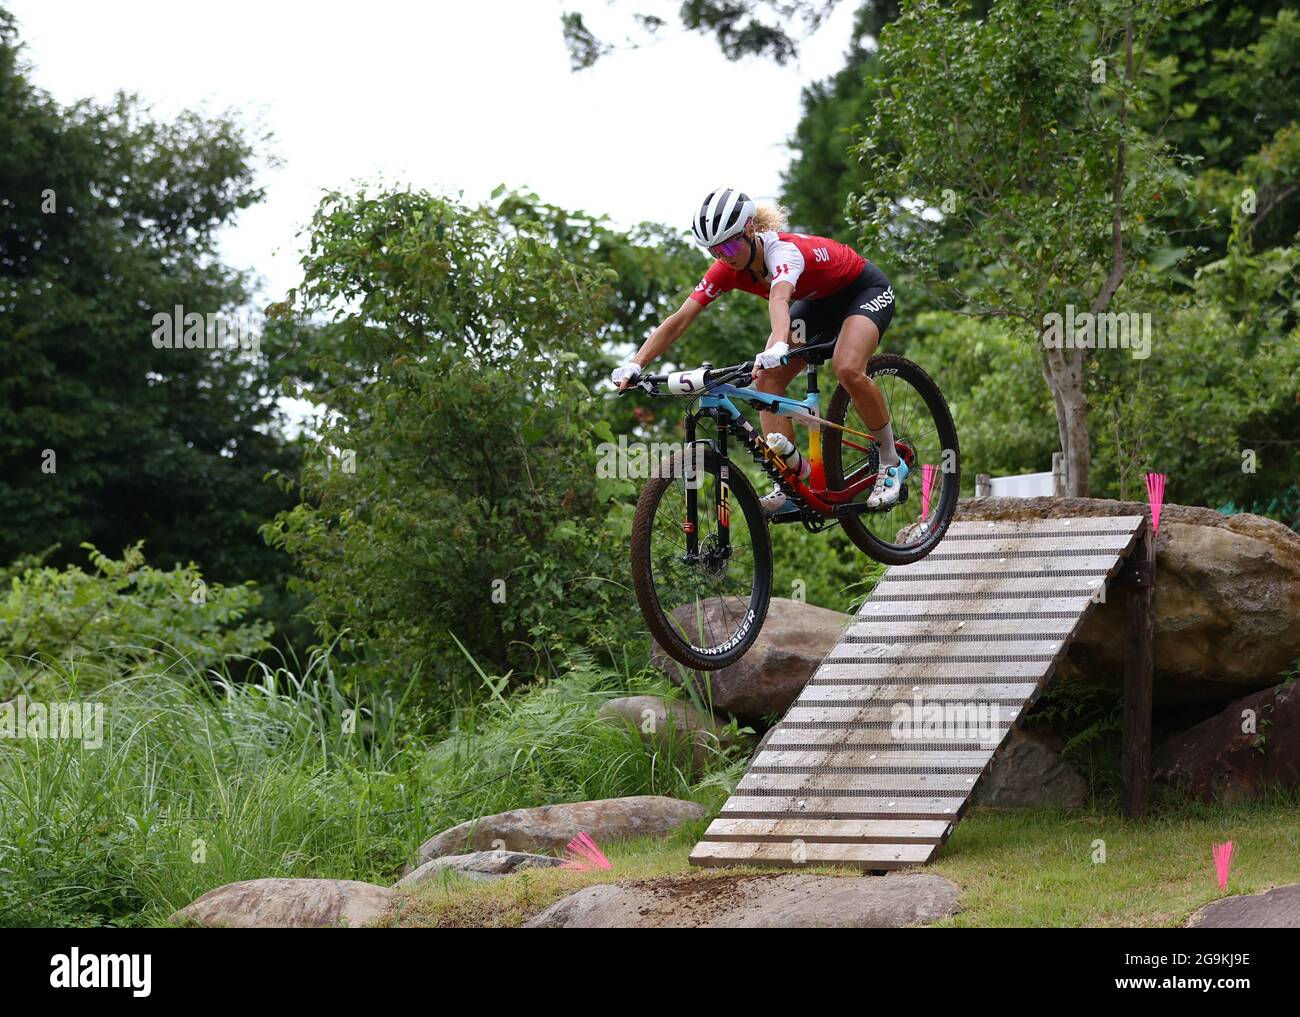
x=703, y=601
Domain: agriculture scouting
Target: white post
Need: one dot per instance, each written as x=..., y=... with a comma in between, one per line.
x=1058, y=474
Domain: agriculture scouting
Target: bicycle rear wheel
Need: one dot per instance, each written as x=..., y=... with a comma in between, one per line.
x=927, y=441
x=704, y=607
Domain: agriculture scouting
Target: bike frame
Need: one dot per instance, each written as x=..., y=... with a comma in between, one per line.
x=716, y=402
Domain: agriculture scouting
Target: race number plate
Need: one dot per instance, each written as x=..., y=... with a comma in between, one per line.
x=686, y=382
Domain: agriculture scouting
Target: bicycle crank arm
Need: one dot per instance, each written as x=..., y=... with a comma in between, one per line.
x=859, y=508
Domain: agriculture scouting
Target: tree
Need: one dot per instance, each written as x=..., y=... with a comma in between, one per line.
x=451, y=500
x=108, y=218
x=1022, y=187
x=742, y=28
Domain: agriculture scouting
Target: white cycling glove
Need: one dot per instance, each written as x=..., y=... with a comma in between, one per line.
x=628, y=372
x=771, y=357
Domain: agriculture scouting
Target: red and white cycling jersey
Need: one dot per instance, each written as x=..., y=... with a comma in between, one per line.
x=815, y=266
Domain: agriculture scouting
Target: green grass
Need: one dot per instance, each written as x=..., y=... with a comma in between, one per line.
x=1014, y=868
x=202, y=782
x=1036, y=868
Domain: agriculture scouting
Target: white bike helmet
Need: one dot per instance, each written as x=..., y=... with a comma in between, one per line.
x=722, y=216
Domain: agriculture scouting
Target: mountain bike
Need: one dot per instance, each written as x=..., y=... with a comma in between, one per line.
x=702, y=571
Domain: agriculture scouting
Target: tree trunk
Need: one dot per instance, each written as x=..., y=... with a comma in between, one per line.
x=1063, y=371
x=1063, y=367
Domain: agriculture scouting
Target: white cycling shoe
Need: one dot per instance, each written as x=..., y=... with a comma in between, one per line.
x=889, y=485
x=775, y=501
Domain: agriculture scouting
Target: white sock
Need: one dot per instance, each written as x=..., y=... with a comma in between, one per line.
x=885, y=436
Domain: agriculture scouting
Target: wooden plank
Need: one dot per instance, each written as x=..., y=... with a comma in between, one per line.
x=979, y=528
x=869, y=672
x=1135, y=759
x=809, y=760
x=940, y=784
x=919, y=630
x=829, y=806
x=962, y=693
x=829, y=831
x=994, y=544
x=982, y=593
x=947, y=606
x=867, y=738
x=884, y=648
x=883, y=714
x=997, y=589
x=1045, y=564
x=863, y=856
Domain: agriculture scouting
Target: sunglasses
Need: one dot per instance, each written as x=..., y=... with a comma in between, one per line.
x=726, y=249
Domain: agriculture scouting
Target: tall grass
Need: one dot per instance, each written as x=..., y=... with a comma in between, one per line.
x=201, y=781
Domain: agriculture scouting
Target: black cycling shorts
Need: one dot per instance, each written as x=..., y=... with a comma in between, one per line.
x=869, y=295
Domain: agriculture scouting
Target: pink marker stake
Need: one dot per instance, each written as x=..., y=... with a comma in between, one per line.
x=927, y=485
x=1223, y=862
x=1156, y=496
x=583, y=854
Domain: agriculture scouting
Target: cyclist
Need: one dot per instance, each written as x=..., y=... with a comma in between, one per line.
x=814, y=282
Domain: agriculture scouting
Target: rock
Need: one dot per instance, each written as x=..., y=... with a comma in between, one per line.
x=290, y=904
x=669, y=726
x=1278, y=908
x=1028, y=772
x=794, y=639
x=779, y=901
x=1227, y=598
x=1217, y=760
x=480, y=866
x=551, y=827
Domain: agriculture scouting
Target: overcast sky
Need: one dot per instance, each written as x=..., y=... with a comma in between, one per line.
x=451, y=96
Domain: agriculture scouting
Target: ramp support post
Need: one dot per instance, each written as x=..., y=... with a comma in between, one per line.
x=1139, y=585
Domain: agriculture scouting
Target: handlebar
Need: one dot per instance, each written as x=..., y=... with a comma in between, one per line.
x=708, y=376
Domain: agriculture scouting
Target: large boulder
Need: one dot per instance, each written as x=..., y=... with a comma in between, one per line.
x=794, y=639
x=1250, y=747
x=290, y=904
x=1227, y=598
x=551, y=827
x=478, y=866
x=673, y=728
x=779, y=901
x=1278, y=908
x=1028, y=772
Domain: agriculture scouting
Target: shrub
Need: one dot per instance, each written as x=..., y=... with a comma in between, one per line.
x=127, y=610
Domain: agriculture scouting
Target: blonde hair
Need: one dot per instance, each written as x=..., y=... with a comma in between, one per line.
x=769, y=218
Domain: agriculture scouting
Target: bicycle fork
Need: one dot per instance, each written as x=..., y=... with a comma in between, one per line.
x=722, y=506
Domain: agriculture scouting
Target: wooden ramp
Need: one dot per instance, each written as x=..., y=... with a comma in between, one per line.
x=876, y=760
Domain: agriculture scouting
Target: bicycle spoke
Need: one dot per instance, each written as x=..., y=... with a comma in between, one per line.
x=919, y=434
x=705, y=599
